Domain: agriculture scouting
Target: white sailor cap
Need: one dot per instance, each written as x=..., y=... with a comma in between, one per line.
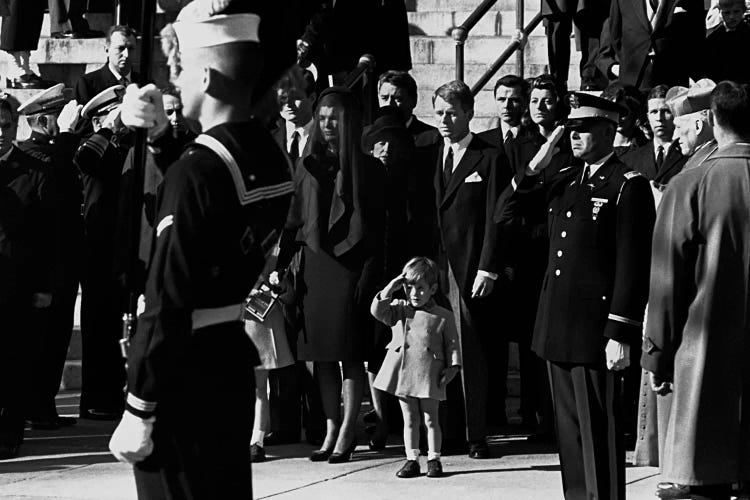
x=200, y=24
x=104, y=101
x=46, y=101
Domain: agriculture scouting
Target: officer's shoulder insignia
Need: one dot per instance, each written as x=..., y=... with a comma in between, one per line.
x=564, y=169
x=631, y=174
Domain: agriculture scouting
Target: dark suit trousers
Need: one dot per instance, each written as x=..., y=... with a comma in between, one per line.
x=469, y=403
x=295, y=401
x=62, y=11
x=21, y=30
x=587, y=417
x=15, y=345
x=558, y=28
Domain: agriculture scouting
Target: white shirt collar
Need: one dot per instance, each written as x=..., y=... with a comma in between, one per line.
x=593, y=167
x=459, y=148
x=303, y=131
x=118, y=76
x=513, y=130
x=665, y=147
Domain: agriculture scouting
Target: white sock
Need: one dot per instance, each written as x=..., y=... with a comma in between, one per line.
x=412, y=455
x=15, y=65
x=25, y=61
x=258, y=437
x=432, y=455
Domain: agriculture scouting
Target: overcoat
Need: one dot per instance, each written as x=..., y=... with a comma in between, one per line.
x=424, y=342
x=697, y=326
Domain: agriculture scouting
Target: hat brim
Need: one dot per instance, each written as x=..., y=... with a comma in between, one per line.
x=370, y=135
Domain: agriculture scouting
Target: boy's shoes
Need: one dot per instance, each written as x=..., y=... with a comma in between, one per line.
x=479, y=449
x=434, y=468
x=410, y=469
x=8, y=451
x=672, y=491
x=257, y=453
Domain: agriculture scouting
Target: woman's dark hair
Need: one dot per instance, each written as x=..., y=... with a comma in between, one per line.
x=546, y=82
x=349, y=122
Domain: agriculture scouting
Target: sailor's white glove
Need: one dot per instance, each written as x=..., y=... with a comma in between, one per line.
x=131, y=441
x=618, y=355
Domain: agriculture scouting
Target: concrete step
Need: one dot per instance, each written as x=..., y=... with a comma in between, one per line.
x=495, y=23
x=431, y=76
x=467, y=5
x=100, y=22
x=71, y=378
x=477, y=50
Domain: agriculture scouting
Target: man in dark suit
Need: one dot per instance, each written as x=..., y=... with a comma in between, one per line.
x=296, y=104
x=120, y=46
x=470, y=176
x=600, y=218
x=26, y=233
x=651, y=42
x=512, y=99
x=399, y=89
x=660, y=159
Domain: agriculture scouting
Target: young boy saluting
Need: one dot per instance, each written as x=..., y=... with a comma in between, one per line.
x=423, y=356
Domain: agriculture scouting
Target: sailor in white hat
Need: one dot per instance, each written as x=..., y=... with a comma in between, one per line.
x=189, y=408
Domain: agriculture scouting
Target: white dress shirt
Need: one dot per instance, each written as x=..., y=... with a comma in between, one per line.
x=504, y=127
x=459, y=148
x=593, y=167
x=118, y=76
x=304, y=135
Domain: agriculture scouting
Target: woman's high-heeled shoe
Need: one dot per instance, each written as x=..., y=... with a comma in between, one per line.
x=345, y=456
x=321, y=455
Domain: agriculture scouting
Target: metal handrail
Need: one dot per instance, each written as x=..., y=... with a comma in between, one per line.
x=364, y=72
x=503, y=58
x=461, y=33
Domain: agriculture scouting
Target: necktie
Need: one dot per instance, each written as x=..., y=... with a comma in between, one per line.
x=659, y=157
x=508, y=137
x=124, y=81
x=294, y=147
x=448, y=167
x=586, y=174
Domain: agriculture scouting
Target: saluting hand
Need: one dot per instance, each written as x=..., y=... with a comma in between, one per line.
x=144, y=108
x=131, y=441
x=391, y=287
x=618, y=355
x=69, y=116
x=543, y=157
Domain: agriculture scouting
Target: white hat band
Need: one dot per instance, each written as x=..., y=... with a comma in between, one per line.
x=217, y=30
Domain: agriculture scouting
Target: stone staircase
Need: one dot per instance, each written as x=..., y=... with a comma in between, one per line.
x=434, y=54
x=433, y=59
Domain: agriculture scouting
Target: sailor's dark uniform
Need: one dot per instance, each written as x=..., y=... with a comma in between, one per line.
x=191, y=363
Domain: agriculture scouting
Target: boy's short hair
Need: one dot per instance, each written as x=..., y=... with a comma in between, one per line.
x=421, y=268
x=730, y=105
x=402, y=80
x=455, y=90
x=731, y=3
x=658, y=92
x=511, y=82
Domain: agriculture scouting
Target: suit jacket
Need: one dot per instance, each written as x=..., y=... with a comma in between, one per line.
x=495, y=137
x=422, y=213
x=643, y=160
x=279, y=135
x=424, y=342
x=423, y=134
x=96, y=81
x=470, y=238
x=596, y=284
x=675, y=39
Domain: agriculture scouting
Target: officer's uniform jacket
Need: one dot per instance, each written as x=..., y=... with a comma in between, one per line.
x=213, y=226
x=26, y=231
x=596, y=283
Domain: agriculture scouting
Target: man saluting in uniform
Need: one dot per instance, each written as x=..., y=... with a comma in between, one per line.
x=600, y=216
x=189, y=408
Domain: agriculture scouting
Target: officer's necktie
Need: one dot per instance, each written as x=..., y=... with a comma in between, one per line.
x=448, y=167
x=586, y=174
x=294, y=147
x=659, y=157
x=124, y=81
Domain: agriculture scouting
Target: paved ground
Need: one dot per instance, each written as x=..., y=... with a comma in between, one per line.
x=74, y=464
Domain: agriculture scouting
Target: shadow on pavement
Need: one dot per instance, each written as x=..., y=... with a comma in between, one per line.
x=53, y=464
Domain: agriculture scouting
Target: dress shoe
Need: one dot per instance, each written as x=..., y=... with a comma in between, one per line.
x=371, y=417
x=100, y=414
x=30, y=81
x=8, y=451
x=672, y=491
x=257, y=453
x=344, y=456
x=279, y=438
x=409, y=469
x=479, y=449
x=321, y=455
x=61, y=34
x=434, y=468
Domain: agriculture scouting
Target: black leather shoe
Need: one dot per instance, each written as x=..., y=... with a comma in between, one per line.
x=672, y=491
x=30, y=81
x=479, y=449
x=371, y=417
x=409, y=469
x=61, y=34
x=344, y=456
x=321, y=455
x=100, y=414
x=434, y=468
x=8, y=451
x=257, y=453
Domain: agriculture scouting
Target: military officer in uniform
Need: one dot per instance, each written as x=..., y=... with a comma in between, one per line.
x=189, y=408
x=25, y=273
x=100, y=159
x=52, y=142
x=600, y=218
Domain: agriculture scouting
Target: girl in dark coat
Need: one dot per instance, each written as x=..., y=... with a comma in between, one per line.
x=338, y=216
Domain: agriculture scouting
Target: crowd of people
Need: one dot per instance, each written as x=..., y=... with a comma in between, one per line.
x=395, y=254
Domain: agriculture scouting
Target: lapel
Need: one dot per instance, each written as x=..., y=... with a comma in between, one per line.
x=468, y=162
x=639, y=7
x=671, y=162
x=666, y=8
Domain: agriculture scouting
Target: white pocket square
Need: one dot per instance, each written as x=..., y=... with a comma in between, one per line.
x=679, y=10
x=475, y=177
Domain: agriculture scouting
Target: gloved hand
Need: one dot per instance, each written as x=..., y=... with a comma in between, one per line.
x=618, y=355
x=131, y=441
x=144, y=108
